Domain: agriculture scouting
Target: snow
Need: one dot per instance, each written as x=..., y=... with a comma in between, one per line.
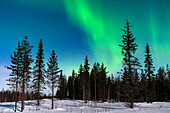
x=78, y=106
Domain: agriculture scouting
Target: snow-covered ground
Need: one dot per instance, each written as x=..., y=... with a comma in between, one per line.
x=78, y=106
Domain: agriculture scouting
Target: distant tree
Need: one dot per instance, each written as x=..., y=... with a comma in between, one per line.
x=160, y=87
x=102, y=83
x=93, y=82
x=143, y=86
x=16, y=72
x=81, y=78
x=70, y=87
x=73, y=79
x=62, y=86
x=168, y=74
x=130, y=62
x=26, y=60
x=149, y=72
x=52, y=73
x=39, y=72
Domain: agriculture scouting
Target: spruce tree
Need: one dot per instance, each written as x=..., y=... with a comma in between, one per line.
x=86, y=82
x=73, y=79
x=16, y=72
x=102, y=83
x=161, y=88
x=143, y=86
x=81, y=77
x=168, y=74
x=52, y=73
x=149, y=73
x=26, y=60
x=130, y=62
x=39, y=72
x=62, y=90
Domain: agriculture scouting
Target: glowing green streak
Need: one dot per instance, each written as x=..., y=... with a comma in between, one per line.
x=154, y=30
x=104, y=33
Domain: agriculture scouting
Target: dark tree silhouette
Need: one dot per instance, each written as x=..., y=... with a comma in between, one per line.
x=39, y=72
x=130, y=62
x=149, y=73
x=16, y=72
x=52, y=73
x=26, y=60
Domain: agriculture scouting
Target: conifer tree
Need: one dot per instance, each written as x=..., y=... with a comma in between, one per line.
x=143, y=86
x=16, y=72
x=52, y=73
x=161, y=88
x=102, y=83
x=39, y=72
x=26, y=60
x=93, y=82
x=86, y=82
x=81, y=78
x=149, y=73
x=130, y=62
x=168, y=74
x=62, y=90
x=73, y=79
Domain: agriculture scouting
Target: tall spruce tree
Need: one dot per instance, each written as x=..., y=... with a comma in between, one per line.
x=149, y=73
x=52, y=73
x=130, y=62
x=39, y=72
x=16, y=72
x=86, y=82
x=26, y=60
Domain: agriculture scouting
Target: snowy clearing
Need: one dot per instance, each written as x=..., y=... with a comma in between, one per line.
x=78, y=106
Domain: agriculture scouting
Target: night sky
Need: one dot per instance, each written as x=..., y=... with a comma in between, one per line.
x=76, y=28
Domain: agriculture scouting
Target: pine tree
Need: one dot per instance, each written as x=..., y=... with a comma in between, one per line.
x=86, y=82
x=149, y=72
x=93, y=82
x=143, y=86
x=102, y=83
x=16, y=72
x=39, y=72
x=168, y=74
x=62, y=90
x=26, y=60
x=81, y=78
x=161, y=88
x=73, y=79
x=70, y=87
x=52, y=73
x=130, y=62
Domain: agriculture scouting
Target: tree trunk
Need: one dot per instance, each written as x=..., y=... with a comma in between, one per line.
x=38, y=102
x=73, y=89
x=16, y=94
x=95, y=86
x=52, y=92
x=83, y=89
x=23, y=95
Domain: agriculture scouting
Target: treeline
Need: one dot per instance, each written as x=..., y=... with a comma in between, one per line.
x=133, y=83
x=9, y=96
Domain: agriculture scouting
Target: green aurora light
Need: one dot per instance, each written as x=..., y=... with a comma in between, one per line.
x=102, y=21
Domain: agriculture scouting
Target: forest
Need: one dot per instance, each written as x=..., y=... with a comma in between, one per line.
x=133, y=83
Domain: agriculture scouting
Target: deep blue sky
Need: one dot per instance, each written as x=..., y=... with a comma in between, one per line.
x=76, y=28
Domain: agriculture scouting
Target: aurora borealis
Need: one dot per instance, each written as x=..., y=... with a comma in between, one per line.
x=76, y=28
